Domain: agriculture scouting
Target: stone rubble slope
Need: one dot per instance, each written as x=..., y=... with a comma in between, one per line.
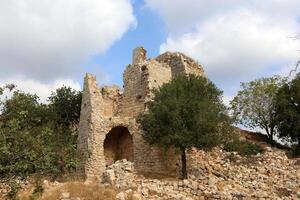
x=214, y=175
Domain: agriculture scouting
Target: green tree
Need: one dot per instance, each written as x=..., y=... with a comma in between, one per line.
x=254, y=104
x=186, y=112
x=33, y=136
x=65, y=104
x=288, y=111
x=20, y=123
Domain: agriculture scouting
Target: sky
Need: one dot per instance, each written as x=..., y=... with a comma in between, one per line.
x=49, y=43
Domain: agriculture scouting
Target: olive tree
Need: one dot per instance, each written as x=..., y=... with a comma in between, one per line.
x=288, y=111
x=185, y=113
x=254, y=106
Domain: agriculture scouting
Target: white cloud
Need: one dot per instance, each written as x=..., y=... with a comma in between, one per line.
x=235, y=40
x=181, y=15
x=237, y=44
x=43, y=90
x=50, y=39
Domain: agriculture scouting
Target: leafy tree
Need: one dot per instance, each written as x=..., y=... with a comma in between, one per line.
x=65, y=104
x=33, y=136
x=20, y=119
x=254, y=104
x=186, y=112
x=288, y=111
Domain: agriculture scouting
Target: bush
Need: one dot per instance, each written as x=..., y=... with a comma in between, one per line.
x=38, y=191
x=38, y=138
x=243, y=147
x=14, y=188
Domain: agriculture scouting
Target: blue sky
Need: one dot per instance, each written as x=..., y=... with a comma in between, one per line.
x=50, y=43
x=149, y=32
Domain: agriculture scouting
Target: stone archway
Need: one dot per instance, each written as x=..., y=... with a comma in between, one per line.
x=118, y=145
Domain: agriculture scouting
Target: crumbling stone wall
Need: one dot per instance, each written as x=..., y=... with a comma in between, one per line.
x=180, y=64
x=105, y=109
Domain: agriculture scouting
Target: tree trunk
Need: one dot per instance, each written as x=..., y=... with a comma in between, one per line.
x=270, y=135
x=183, y=164
x=297, y=150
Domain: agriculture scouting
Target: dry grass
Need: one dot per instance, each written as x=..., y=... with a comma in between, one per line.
x=79, y=189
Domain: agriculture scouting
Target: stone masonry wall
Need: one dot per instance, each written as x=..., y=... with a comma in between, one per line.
x=106, y=108
x=134, y=93
x=180, y=64
x=91, y=109
x=111, y=99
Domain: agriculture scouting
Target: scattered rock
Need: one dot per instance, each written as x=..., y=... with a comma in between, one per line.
x=64, y=196
x=120, y=196
x=214, y=175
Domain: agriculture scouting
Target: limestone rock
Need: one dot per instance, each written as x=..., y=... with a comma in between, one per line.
x=267, y=176
x=64, y=196
x=120, y=196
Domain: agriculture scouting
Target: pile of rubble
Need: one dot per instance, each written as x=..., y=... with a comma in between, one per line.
x=5, y=185
x=215, y=175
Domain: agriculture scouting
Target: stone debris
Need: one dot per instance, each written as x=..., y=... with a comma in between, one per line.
x=120, y=174
x=64, y=196
x=214, y=175
x=5, y=188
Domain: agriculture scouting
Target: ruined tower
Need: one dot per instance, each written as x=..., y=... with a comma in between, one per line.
x=108, y=130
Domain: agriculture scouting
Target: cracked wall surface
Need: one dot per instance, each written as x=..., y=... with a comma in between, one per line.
x=105, y=108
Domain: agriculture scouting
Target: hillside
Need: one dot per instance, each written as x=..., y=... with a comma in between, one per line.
x=212, y=175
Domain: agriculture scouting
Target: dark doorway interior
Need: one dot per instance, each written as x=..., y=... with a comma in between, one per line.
x=118, y=145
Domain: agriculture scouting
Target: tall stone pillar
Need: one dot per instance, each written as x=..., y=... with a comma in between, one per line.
x=92, y=158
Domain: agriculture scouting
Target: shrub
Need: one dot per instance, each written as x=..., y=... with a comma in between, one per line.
x=14, y=188
x=37, y=138
x=243, y=147
x=38, y=191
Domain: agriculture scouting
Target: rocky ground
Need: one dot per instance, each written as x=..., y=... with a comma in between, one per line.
x=212, y=175
x=215, y=175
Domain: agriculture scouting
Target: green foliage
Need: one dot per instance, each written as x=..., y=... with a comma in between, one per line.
x=288, y=111
x=37, y=192
x=243, y=147
x=186, y=112
x=14, y=188
x=66, y=103
x=34, y=138
x=254, y=104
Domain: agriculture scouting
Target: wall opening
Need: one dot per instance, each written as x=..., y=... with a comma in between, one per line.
x=118, y=145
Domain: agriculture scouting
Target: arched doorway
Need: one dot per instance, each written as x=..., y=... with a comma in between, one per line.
x=118, y=145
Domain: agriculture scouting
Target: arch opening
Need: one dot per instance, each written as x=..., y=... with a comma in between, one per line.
x=118, y=145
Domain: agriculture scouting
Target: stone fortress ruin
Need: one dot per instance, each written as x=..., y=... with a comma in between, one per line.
x=108, y=130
